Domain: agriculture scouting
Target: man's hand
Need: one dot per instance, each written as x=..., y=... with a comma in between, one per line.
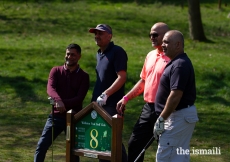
x=60, y=106
x=121, y=106
x=101, y=100
x=51, y=101
x=159, y=127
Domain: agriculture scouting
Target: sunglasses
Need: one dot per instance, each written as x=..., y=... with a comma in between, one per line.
x=154, y=35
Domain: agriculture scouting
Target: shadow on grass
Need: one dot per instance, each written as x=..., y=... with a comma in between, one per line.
x=213, y=83
x=23, y=87
x=209, y=41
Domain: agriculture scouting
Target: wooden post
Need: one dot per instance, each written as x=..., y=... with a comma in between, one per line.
x=116, y=150
x=70, y=157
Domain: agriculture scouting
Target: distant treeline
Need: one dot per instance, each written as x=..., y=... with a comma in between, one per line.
x=176, y=2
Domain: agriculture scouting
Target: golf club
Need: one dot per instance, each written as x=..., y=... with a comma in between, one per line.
x=52, y=103
x=144, y=148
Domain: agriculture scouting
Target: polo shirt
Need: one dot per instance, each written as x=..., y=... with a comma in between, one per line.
x=152, y=70
x=109, y=63
x=178, y=74
x=68, y=87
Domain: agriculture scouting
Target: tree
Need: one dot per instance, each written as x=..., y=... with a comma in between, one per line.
x=219, y=4
x=195, y=23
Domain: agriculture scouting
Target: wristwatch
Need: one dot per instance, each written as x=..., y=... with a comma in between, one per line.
x=161, y=119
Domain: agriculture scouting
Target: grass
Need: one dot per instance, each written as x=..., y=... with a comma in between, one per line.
x=34, y=37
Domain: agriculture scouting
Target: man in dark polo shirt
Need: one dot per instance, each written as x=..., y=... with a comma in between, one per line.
x=175, y=102
x=111, y=73
x=67, y=86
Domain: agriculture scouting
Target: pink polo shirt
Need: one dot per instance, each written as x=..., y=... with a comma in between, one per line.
x=153, y=67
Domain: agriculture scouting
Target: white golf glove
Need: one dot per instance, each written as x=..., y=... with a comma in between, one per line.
x=159, y=127
x=52, y=102
x=101, y=100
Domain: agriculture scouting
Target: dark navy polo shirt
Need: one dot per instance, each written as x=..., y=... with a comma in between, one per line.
x=178, y=74
x=111, y=61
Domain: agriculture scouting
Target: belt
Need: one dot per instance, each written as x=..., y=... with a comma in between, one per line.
x=150, y=103
x=184, y=107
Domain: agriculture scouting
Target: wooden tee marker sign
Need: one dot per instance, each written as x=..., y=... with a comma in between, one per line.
x=93, y=133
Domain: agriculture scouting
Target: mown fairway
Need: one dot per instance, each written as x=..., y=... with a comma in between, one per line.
x=34, y=37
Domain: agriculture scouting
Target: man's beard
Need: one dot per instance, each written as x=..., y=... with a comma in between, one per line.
x=69, y=64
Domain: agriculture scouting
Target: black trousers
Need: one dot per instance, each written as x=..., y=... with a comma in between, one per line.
x=142, y=132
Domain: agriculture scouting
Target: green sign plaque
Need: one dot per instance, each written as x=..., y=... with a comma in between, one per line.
x=93, y=132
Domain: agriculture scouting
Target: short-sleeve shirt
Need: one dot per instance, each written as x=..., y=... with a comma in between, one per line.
x=178, y=75
x=152, y=70
x=109, y=63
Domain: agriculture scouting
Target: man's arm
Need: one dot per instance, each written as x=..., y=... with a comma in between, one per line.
x=51, y=91
x=134, y=92
x=171, y=103
x=52, y=84
x=117, y=84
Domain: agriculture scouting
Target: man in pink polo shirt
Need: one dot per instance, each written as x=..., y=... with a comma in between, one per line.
x=152, y=70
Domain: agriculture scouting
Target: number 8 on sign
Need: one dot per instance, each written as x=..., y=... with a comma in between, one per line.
x=93, y=138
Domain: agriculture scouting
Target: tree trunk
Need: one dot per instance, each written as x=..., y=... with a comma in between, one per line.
x=219, y=4
x=195, y=23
